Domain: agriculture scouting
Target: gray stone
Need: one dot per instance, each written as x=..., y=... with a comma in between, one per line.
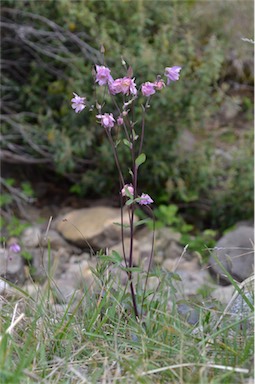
x=165, y=245
x=241, y=311
x=41, y=259
x=64, y=290
x=191, y=282
x=234, y=250
x=136, y=250
x=189, y=313
x=177, y=264
x=223, y=294
x=56, y=241
x=240, y=306
x=31, y=237
x=4, y=286
x=12, y=266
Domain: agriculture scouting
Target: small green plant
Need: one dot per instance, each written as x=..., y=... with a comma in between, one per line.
x=14, y=226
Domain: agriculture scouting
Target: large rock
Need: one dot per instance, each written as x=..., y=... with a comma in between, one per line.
x=93, y=227
x=235, y=252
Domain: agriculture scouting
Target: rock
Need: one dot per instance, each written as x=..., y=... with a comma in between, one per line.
x=56, y=241
x=4, y=286
x=40, y=263
x=80, y=274
x=92, y=227
x=172, y=265
x=119, y=276
x=240, y=310
x=12, y=266
x=64, y=290
x=164, y=236
x=136, y=250
x=240, y=307
x=190, y=314
x=31, y=237
x=223, y=294
x=175, y=251
x=76, y=280
x=165, y=245
x=191, y=282
x=234, y=250
x=33, y=290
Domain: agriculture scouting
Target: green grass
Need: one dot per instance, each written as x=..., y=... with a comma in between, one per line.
x=96, y=339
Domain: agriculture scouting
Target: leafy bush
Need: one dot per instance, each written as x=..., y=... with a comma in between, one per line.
x=50, y=48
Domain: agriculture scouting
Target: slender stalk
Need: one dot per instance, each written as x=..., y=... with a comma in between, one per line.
x=133, y=297
x=122, y=229
x=142, y=130
x=115, y=157
x=150, y=260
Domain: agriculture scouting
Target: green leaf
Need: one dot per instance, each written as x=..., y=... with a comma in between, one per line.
x=135, y=136
x=122, y=225
x=141, y=222
x=127, y=143
x=130, y=269
x=130, y=201
x=116, y=257
x=140, y=159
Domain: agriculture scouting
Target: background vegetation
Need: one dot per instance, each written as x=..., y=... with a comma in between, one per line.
x=49, y=49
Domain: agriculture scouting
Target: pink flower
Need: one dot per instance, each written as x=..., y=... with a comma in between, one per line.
x=145, y=199
x=103, y=76
x=128, y=86
x=129, y=188
x=15, y=248
x=123, y=85
x=120, y=120
x=172, y=73
x=78, y=103
x=159, y=84
x=107, y=120
x=115, y=86
x=148, y=89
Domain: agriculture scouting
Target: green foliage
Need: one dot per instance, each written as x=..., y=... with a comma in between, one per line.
x=6, y=198
x=11, y=193
x=218, y=185
x=149, y=38
x=13, y=226
x=168, y=216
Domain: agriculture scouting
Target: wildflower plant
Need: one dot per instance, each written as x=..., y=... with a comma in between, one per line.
x=123, y=118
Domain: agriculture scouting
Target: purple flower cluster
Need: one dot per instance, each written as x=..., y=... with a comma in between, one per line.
x=125, y=86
